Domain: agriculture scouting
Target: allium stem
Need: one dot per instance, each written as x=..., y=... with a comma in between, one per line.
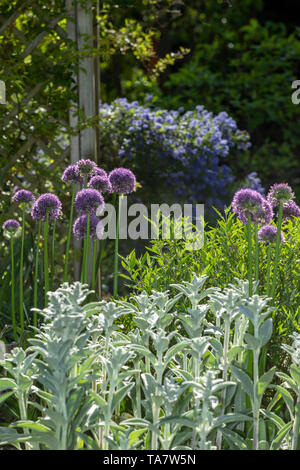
x=46, y=272
x=249, y=236
x=87, y=251
x=53, y=253
x=256, y=252
x=116, y=258
x=13, y=311
x=103, y=242
x=269, y=250
x=36, y=268
x=21, y=269
x=69, y=234
x=277, y=249
x=94, y=273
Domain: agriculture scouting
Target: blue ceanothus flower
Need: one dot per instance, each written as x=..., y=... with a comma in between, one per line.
x=186, y=149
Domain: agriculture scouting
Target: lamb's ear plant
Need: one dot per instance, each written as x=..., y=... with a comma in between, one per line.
x=291, y=383
x=258, y=313
x=19, y=383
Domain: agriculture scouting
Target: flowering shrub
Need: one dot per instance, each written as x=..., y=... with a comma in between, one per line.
x=185, y=150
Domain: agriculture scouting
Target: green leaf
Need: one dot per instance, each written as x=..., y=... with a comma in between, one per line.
x=7, y=384
x=234, y=351
x=265, y=331
x=32, y=425
x=288, y=399
x=252, y=342
x=280, y=436
x=245, y=381
x=295, y=373
x=264, y=381
x=120, y=394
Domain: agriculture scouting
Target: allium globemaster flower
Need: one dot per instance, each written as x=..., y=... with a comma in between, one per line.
x=88, y=200
x=86, y=167
x=23, y=196
x=11, y=225
x=71, y=175
x=247, y=202
x=280, y=193
x=290, y=211
x=122, y=181
x=46, y=203
x=101, y=183
x=264, y=215
x=80, y=227
x=268, y=234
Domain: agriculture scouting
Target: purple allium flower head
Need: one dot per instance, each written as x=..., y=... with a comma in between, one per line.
x=23, y=196
x=122, y=181
x=11, y=225
x=101, y=183
x=99, y=172
x=268, y=234
x=247, y=202
x=290, y=210
x=264, y=215
x=86, y=167
x=88, y=200
x=280, y=193
x=80, y=227
x=71, y=175
x=46, y=203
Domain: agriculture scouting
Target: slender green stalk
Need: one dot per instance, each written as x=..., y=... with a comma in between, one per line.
x=53, y=254
x=69, y=234
x=83, y=269
x=46, y=272
x=277, y=250
x=12, y=267
x=269, y=250
x=102, y=248
x=21, y=269
x=36, y=268
x=255, y=399
x=249, y=237
x=263, y=359
x=116, y=257
x=87, y=251
x=256, y=252
x=94, y=274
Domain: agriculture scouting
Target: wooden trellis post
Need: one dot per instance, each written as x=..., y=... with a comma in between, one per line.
x=83, y=32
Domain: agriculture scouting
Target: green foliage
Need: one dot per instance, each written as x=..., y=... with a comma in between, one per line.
x=95, y=387
x=223, y=258
x=245, y=66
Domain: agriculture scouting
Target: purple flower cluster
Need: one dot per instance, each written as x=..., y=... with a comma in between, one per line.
x=190, y=146
x=86, y=167
x=11, y=225
x=122, y=181
x=72, y=175
x=101, y=183
x=280, y=193
x=268, y=234
x=290, y=210
x=23, y=196
x=46, y=204
x=87, y=201
x=80, y=227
